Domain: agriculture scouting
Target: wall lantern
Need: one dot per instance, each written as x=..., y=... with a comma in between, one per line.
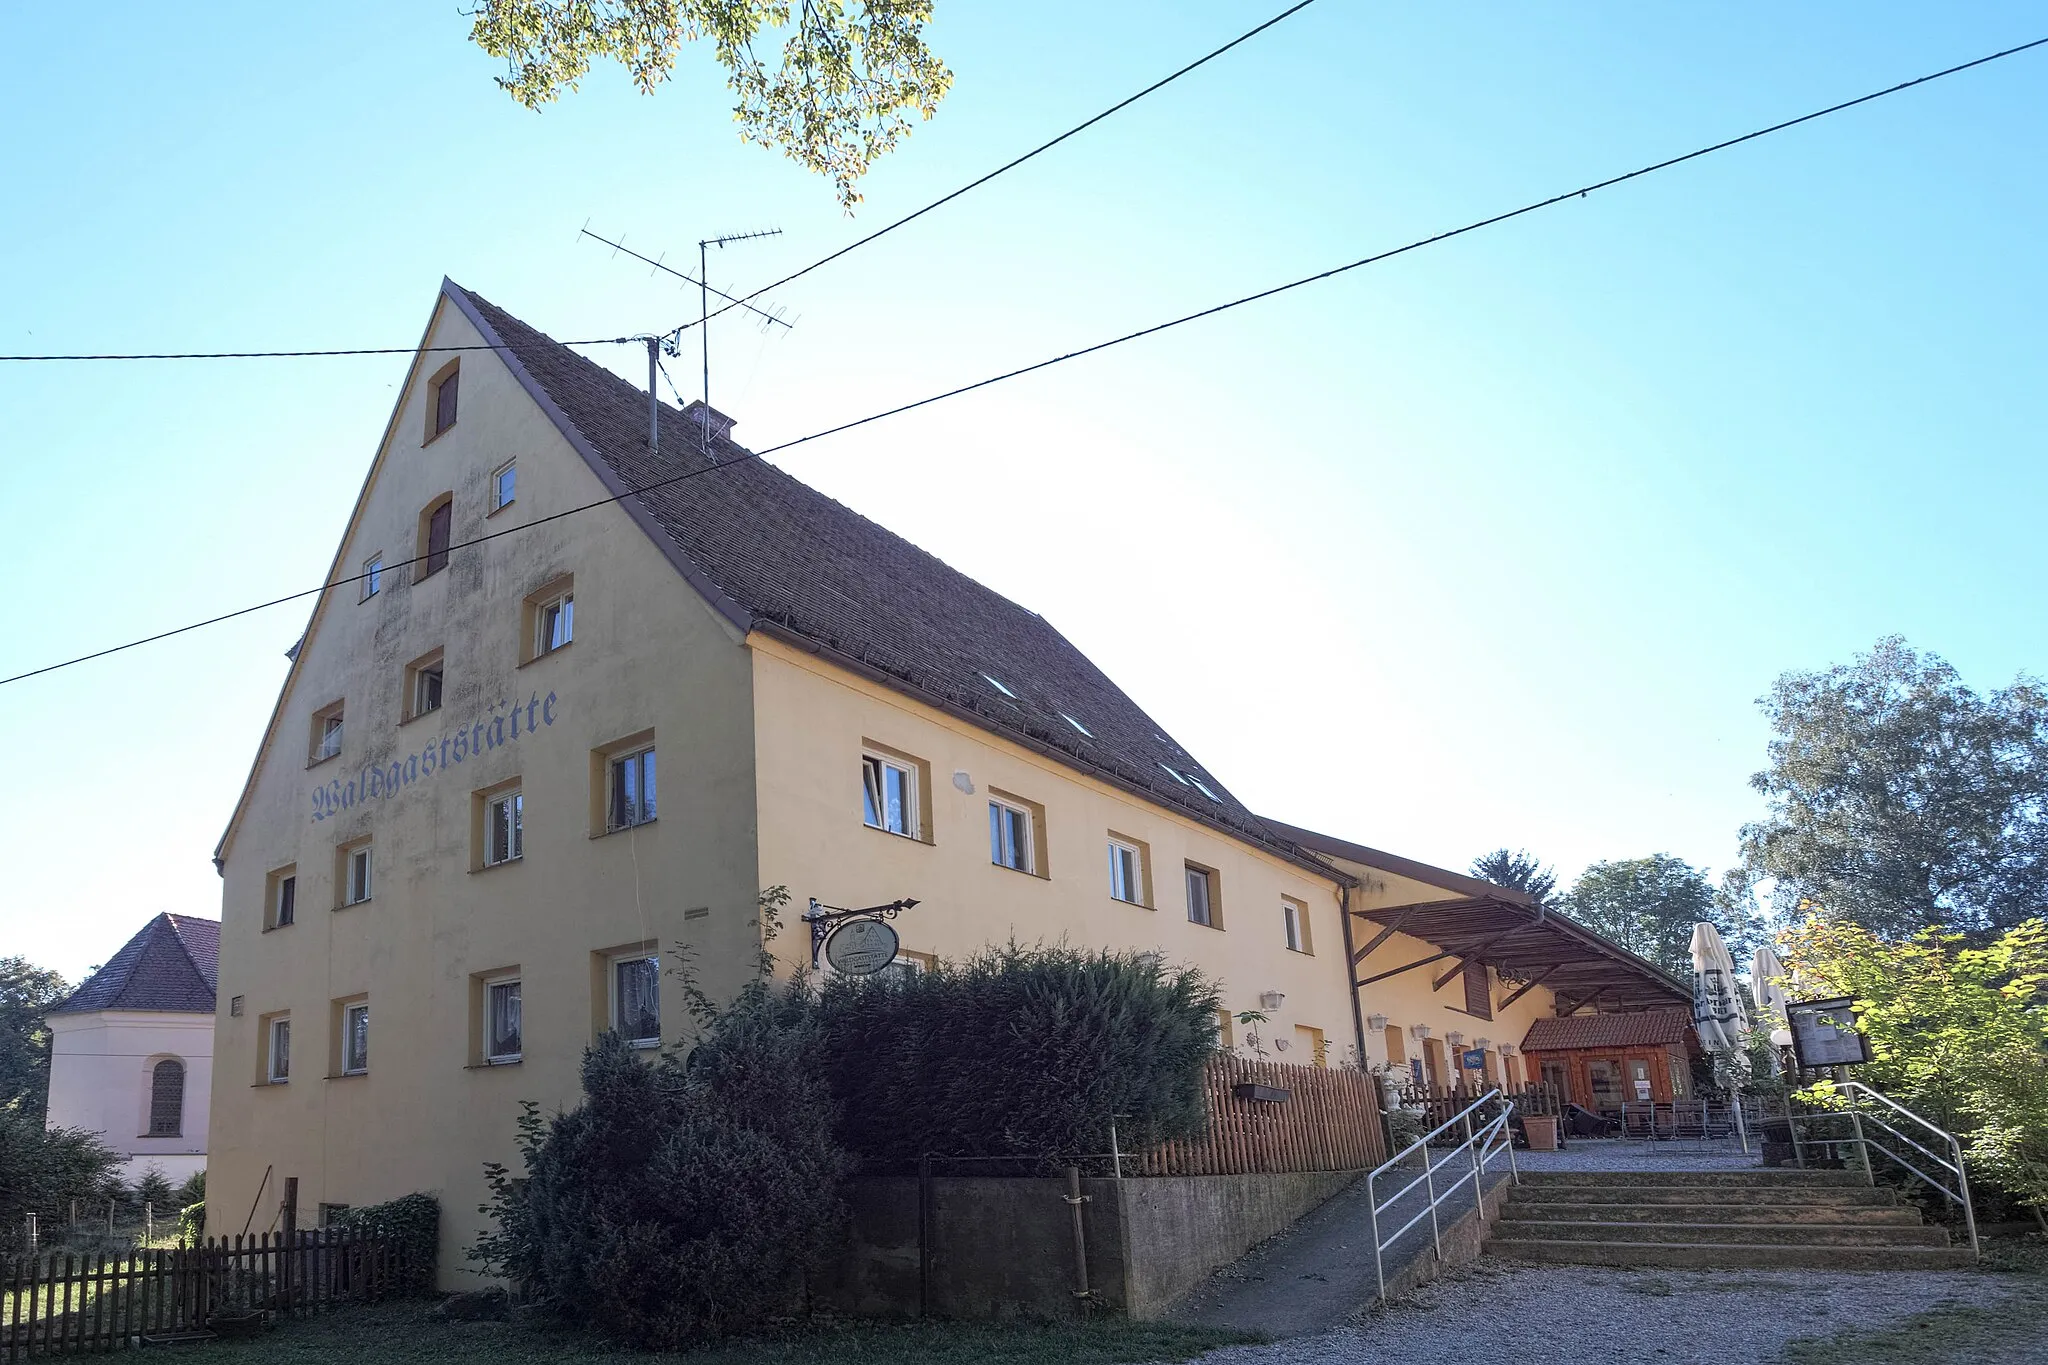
x=1509, y=1050
x=1455, y=1038
x=1272, y=1000
x=1482, y=1042
x=1418, y=1031
x=1151, y=960
x=1376, y=1022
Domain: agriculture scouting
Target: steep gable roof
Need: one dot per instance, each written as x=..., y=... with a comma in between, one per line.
x=172, y=965
x=776, y=555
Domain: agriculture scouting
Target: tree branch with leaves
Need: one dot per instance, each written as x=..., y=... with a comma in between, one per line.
x=840, y=94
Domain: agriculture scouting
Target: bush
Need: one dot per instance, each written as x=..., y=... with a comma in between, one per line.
x=192, y=1191
x=683, y=1199
x=192, y=1222
x=42, y=1168
x=153, y=1190
x=411, y=1221
x=1020, y=1052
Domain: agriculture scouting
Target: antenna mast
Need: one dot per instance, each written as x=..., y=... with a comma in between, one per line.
x=704, y=317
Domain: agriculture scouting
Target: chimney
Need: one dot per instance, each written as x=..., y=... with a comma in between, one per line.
x=696, y=417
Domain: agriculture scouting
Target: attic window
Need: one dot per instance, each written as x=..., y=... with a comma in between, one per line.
x=1203, y=788
x=996, y=683
x=441, y=408
x=1174, y=775
x=1077, y=725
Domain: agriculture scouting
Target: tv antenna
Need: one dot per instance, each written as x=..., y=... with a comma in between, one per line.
x=704, y=314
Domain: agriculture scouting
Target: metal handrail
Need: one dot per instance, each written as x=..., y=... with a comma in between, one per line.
x=1479, y=1143
x=1959, y=1196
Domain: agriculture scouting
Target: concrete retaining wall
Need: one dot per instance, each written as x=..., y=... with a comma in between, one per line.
x=1004, y=1247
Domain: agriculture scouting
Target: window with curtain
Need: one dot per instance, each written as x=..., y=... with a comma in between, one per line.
x=355, y=1040
x=636, y=1000
x=632, y=798
x=167, y=1098
x=502, y=1042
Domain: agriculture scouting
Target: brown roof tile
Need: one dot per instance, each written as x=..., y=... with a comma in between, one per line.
x=171, y=965
x=1647, y=1028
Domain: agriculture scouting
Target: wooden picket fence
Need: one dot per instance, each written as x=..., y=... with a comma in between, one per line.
x=1439, y=1104
x=67, y=1304
x=1329, y=1120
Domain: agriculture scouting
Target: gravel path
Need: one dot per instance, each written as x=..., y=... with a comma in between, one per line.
x=1497, y=1311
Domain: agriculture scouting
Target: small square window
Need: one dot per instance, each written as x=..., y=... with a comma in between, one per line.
x=1126, y=872
x=1010, y=842
x=636, y=999
x=1201, y=896
x=503, y=1041
x=504, y=484
x=355, y=1039
x=554, y=624
x=355, y=873
x=630, y=790
x=373, y=576
x=326, y=733
x=889, y=795
x=504, y=828
x=277, y=1062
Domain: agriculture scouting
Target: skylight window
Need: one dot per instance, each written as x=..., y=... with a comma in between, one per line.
x=1203, y=788
x=997, y=684
x=1077, y=725
x=1175, y=776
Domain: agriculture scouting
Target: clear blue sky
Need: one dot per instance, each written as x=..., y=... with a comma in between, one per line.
x=1496, y=543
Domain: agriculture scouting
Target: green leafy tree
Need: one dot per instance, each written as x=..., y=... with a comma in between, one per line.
x=27, y=992
x=849, y=75
x=1958, y=1034
x=1900, y=798
x=1649, y=906
x=41, y=1169
x=1518, y=871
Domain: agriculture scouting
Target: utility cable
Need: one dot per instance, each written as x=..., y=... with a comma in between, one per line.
x=1012, y=165
x=267, y=355
x=1070, y=355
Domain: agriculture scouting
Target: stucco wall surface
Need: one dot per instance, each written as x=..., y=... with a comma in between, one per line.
x=101, y=1067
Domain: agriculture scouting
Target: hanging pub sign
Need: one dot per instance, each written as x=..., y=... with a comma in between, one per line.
x=1475, y=1059
x=861, y=947
x=1824, y=1033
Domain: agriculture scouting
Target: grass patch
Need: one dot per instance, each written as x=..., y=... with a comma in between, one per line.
x=2009, y=1332
x=406, y=1334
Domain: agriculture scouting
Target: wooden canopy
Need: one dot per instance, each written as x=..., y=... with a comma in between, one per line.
x=1527, y=945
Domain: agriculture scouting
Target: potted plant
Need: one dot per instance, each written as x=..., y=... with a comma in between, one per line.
x=1541, y=1130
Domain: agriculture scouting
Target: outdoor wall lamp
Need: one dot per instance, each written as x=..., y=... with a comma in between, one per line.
x=1418, y=1031
x=1272, y=1000
x=1482, y=1042
x=1376, y=1022
x=1508, y=1050
x=1455, y=1039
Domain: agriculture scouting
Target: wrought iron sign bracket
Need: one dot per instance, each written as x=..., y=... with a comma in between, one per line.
x=824, y=918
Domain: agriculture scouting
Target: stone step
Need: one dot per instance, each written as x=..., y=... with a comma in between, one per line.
x=1732, y=1256
x=1759, y=1178
x=1782, y=1234
x=1825, y=1196
x=1522, y=1211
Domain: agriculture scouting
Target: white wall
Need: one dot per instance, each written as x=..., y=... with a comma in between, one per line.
x=100, y=1065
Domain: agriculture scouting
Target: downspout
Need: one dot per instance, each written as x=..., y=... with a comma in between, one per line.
x=1351, y=973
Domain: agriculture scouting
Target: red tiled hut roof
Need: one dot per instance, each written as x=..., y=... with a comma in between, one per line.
x=1644, y=1028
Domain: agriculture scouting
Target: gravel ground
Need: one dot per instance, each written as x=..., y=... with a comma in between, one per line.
x=1497, y=1311
x=1612, y=1154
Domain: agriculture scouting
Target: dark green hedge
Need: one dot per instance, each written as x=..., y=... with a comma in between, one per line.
x=412, y=1221
x=1018, y=1052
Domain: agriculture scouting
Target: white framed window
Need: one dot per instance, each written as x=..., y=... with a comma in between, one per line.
x=504, y=484
x=1010, y=842
x=283, y=908
x=1126, y=873
x=355, y=1038
x=889, y=795
x=1294, y=923
x=908, y=964
x=427, y=682
x=630, y=789
x=502, y=1025
x=326, y=732
x=373, y=576
x=355, y=881
x=636, y=999
x=554, y=624
x=504, y=828
x=1201, y=896
x=277, y=1063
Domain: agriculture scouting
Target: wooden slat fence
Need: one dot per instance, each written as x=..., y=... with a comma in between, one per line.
x=1440, y=1104
x=65, y=1304
x=1330, y=1121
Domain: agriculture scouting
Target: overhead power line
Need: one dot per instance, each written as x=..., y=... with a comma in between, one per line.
x=901, y=408
x=1011, y=165
x=270, y=355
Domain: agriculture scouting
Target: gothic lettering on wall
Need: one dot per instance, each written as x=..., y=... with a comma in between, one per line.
x=503, y=724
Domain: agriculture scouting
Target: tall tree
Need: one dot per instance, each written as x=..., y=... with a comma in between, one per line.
x=1649, y=906
x=850, y=72
x=1518, y=871
x=26, y=993
x=1899, y=798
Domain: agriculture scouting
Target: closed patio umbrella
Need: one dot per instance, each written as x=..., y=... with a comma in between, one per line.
x=1767, y=986
x=1716, y=1010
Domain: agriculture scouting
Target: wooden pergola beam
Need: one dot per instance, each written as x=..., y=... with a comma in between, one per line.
x=1531, y=984
x=1383, y=935
x=1408, y=967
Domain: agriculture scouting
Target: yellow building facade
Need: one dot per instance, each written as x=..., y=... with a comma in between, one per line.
x=510, y=774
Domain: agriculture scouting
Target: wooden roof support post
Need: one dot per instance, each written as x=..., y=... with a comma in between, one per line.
x=1531, y=984
x=1423, y=962
x=1386, y=932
